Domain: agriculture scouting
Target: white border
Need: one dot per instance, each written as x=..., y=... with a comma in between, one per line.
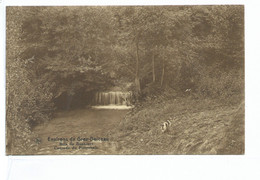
x=146, y=167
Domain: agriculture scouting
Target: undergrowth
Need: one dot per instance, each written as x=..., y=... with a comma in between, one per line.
x=199, y=126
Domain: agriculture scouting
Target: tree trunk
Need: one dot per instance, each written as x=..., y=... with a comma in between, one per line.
x=137, y=79
x=163, y=69
x=153, y=67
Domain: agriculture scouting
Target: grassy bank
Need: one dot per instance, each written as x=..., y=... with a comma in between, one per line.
x=199, y=126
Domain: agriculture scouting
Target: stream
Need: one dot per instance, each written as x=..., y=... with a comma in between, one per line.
x=80, y=131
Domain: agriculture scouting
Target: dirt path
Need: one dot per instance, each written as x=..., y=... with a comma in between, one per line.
x=84, y=125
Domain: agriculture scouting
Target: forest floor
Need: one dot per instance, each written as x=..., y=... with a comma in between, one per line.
x=197, y=127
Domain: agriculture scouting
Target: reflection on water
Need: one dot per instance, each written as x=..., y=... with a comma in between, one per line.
x=112, y=107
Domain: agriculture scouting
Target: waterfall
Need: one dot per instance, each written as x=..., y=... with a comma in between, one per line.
x=112, y=98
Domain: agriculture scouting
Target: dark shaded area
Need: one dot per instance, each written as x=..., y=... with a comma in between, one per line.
x=78, y=99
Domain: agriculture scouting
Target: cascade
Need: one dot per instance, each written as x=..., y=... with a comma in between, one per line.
x=112, y=98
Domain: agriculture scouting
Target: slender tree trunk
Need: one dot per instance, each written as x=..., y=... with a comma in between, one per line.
x=137, y=79
x=163, y=69
x=153, y=67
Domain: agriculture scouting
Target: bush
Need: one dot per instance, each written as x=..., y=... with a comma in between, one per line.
x=28, y=103
x=222, y=85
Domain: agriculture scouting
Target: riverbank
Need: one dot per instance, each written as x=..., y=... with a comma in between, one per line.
x=198, y=126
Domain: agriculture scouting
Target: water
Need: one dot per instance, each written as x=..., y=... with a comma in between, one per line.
x=80, y=123
x=108, y=110
x=113, y=107
x=112, y=100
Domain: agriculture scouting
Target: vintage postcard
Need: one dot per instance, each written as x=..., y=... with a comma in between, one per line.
x=125, y=80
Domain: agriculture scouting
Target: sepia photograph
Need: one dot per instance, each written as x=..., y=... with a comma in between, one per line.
x=125, y=80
